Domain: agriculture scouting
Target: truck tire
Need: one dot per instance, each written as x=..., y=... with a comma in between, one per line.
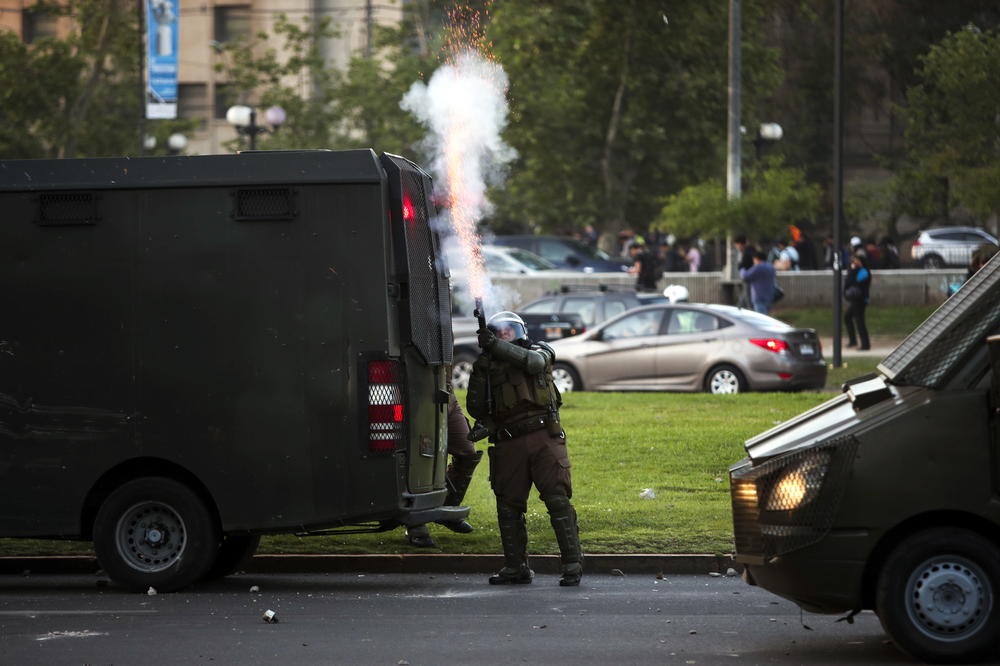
x=566, y=378
x=937, y=596
x=155, y=532
x=234, y=552
x=724, y=379
x=461, y=369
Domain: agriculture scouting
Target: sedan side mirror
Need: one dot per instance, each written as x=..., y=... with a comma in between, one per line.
x=572, y=260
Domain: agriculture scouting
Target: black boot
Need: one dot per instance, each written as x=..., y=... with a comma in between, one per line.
x=514, y=538
x=458, y=478
x=562, y=515
x=419, y=536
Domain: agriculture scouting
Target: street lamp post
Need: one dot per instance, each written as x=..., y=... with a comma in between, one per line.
x=767, y=132
x=244, y=119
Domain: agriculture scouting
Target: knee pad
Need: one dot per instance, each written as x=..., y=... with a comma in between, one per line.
x=557, y=504
x=509, y=511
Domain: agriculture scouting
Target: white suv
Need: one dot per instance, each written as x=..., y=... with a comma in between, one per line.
x=948, y=246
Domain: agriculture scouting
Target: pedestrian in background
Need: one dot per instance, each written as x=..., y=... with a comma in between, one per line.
x=761, y=280
x=692, y=256
x=644, y=267
x=857, y=287
x=788, y=256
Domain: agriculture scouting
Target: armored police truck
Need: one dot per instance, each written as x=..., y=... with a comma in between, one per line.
x=195, y=351
x=887, y=497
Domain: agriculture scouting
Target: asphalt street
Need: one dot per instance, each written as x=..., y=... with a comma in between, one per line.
x=415, y=619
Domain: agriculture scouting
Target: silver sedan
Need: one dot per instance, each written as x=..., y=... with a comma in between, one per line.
x=690, y=347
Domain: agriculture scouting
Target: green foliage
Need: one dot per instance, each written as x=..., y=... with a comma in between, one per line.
x=77, y=96
x=952, y=132
x=615, y=104
x=775, y=197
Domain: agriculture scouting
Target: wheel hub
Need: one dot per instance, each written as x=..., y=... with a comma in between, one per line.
x=150, y=536
x=949, y=598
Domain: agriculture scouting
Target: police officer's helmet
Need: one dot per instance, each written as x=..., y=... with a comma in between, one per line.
x=507, y=326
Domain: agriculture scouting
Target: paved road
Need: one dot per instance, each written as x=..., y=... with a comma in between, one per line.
x=424, y=619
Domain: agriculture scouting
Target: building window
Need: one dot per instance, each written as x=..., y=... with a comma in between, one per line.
x=225, y=97
x=192, y=101
x=36, y=24
x=232, y=23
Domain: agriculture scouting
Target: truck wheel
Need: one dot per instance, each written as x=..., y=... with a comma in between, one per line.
x=566, y=378
x=725, y=379
x=937, y=595
x=461, y=370
x=233, y=553
x=155, y=532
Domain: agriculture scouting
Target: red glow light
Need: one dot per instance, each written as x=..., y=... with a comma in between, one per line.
x=408, y=212
x=385, y=413
x=770, y=344
x=784, y=375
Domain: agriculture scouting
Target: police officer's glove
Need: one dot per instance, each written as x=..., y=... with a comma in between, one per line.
x=486, y=338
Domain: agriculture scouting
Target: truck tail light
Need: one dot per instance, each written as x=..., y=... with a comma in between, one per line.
x=385, y=406
x=770, y=344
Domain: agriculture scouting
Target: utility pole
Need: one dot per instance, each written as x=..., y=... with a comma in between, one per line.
x=369, y=20
x=838, y=168
x=140, y=13
x=733, y=141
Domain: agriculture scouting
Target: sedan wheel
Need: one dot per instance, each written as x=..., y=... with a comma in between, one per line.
x=461, y=370
x=566, y=378
x=725, y=379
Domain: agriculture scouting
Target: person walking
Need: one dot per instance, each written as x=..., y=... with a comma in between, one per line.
x=761, y=279
x=512, y=394
x=857, y=286
x=644, y=268
x=458, y=476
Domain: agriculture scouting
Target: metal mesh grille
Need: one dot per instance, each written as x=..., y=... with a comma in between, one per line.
x=789, y=502
x=936, y=348
x=430, y=305
x=385, y=406
x=59, y=208
x=264, y=203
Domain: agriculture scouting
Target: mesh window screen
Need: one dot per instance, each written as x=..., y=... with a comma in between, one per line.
x=61, y=208
x=264, y=203
x=929, y=355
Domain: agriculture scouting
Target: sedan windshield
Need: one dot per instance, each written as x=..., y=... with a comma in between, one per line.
x=531, y=260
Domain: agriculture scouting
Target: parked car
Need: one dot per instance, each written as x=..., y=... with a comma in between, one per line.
x=690, y=347
x=948, y=246
x=593, y=304
x=567, y=253
x=500, y=259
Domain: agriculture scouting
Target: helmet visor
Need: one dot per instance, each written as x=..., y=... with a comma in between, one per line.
x=508, y=330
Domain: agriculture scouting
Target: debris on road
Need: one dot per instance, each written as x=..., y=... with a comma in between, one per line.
x=254, y=588
x=617, y=572
x=151, y=591
x=647, y=493
x=270, y=617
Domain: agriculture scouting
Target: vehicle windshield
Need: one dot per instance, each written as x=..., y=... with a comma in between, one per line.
x=592, y=252
x=531, y=260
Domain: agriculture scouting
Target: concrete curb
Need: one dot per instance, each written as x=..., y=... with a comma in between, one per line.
x=407, y=563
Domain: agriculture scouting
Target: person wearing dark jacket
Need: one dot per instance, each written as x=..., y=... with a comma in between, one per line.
x=857, y=286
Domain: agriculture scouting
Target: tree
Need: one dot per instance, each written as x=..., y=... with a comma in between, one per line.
x=78, y=96
x=776, y=197
x=616, y=103
x=952, y=129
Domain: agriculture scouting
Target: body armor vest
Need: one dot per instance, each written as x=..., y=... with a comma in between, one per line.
x=518, y=395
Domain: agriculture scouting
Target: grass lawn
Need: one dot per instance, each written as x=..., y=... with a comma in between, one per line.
x=679, y=445
x=894, y=322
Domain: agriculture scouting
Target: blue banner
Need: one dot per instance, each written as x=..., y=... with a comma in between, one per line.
x=161, y=58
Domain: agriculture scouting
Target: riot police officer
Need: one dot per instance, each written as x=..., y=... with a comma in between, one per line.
x=511, y=393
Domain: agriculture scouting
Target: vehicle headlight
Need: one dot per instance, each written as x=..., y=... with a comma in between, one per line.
x=800, y=483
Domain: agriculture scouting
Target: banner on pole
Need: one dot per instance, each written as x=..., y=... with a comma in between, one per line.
x=161, y=58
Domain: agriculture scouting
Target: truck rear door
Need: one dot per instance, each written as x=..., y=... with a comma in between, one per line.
x=421, y=283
